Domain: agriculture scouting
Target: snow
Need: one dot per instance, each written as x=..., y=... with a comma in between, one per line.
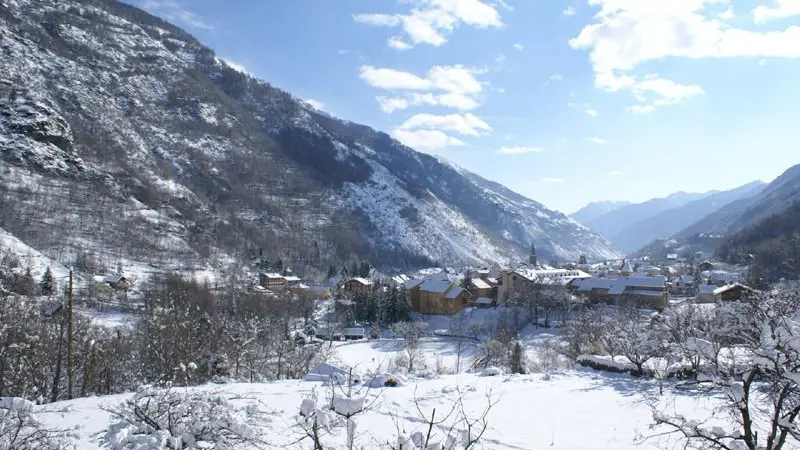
x=576, y=410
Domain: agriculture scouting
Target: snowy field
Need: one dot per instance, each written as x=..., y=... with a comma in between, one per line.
x=570, y=409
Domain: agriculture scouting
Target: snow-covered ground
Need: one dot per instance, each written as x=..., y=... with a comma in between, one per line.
x=570, y=409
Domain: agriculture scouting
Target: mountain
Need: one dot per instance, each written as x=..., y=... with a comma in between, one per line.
x=614, y=222
x=122, y=138
x=673, y=220
x=773, y=199
x=771, y=245
x=594, y=210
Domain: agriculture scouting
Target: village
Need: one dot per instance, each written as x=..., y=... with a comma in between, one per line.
x=640, y=282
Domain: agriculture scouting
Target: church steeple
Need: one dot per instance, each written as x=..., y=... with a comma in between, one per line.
x=532, y=257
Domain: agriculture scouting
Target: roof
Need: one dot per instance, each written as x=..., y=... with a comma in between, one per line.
x=292, y=278
x=483, y=301
x=626, y=267
x=620, y=285
x=706, y=289
x=272, y=275
x=480, y=284
x=623, y=283
x=439, y=286
x=644, y=292
x=454, y=292
x=538, y=274
x=114, y=278
x=731, y=286
x=411, y=284
x=363, y=281
x=355, y=331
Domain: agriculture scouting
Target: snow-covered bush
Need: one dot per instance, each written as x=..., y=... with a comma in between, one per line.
x=170, y=419
x=20, y=429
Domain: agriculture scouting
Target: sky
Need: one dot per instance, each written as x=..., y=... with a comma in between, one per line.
x=566, y=102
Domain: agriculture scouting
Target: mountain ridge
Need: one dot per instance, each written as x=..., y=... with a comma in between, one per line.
x=131, y=119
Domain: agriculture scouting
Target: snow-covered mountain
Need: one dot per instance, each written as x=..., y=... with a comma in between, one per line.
x=123, y=136
x=595, y=210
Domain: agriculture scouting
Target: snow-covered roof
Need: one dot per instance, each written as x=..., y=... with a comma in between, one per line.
x=672, y=256
x=539, y=274
x=626, y=267
x=292, y=279
x=439, y=286
x=114, y=278
x=410, y=284
x=480, y=284
x=706, y=289
x=272, y=275
x=618, y=286
x=454, y=292
x=644, y=292
x=354, y=331
x=363, y=281
x=728, y=287
x=483, y=301
x=622, y=283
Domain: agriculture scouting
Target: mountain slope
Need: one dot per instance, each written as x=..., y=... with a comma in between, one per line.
x=673, y=220
x=122, y=135
x=773, y=244
x=773, y=199
x=614, y=222
x=594, y=210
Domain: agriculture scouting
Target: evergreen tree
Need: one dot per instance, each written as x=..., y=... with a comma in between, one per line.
x=331, y=271
x=354, y=272
x=47, y=285
x=365, y=268
x=279, y=266
x=517, y=360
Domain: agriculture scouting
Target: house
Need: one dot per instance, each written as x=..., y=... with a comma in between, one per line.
x=271, y=280
x=705, y=265
x=118, y=282
x=641, y=291
x=672, y=256
x=522, y=278
x=438, y=297
x=354, y=334
x=292, y=280
x=710, y=293
x=356, y=286
x=481, y=288
x=684, y=285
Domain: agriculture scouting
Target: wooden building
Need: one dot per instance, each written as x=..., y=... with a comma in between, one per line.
x=355, y=286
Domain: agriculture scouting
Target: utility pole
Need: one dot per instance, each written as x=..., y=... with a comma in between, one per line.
x=69, y=338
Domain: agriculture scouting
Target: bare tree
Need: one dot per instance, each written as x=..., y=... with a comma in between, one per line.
x=759, y=378
x=412, y=334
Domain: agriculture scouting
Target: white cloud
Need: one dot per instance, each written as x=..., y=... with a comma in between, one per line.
x=316, y=104
x=499, y=59
x=236, y=66
x=784, y=9
x=728, y=14
x=448, y=86
x=426, y=139
x=571, y=104
x=591, y=112
x=519, y=47
x=431, y=21
x=455, y=101
x=556, y=77
x=569, y=11
x=552, y=180
x=174, y=11
x=519, y=150
x=467, y=124
x=398, y=43
x=762, y=62
x=629, y=33
x=616, y=173
x=640, y=109
x=597, y=140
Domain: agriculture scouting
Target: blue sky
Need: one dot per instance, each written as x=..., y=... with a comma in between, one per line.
x=566, y=102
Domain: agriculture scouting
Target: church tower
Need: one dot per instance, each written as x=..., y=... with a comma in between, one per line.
x=532, y=257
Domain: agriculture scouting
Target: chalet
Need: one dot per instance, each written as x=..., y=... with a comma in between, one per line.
x=731, y=292
x=481, y=288
x=705, y=265
x=642, y=291
x=355, y=286
x=438, y=297
x=118, y=282
x=271, y=280
x=684, y=285
x=513, y=281
x=354, y=334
